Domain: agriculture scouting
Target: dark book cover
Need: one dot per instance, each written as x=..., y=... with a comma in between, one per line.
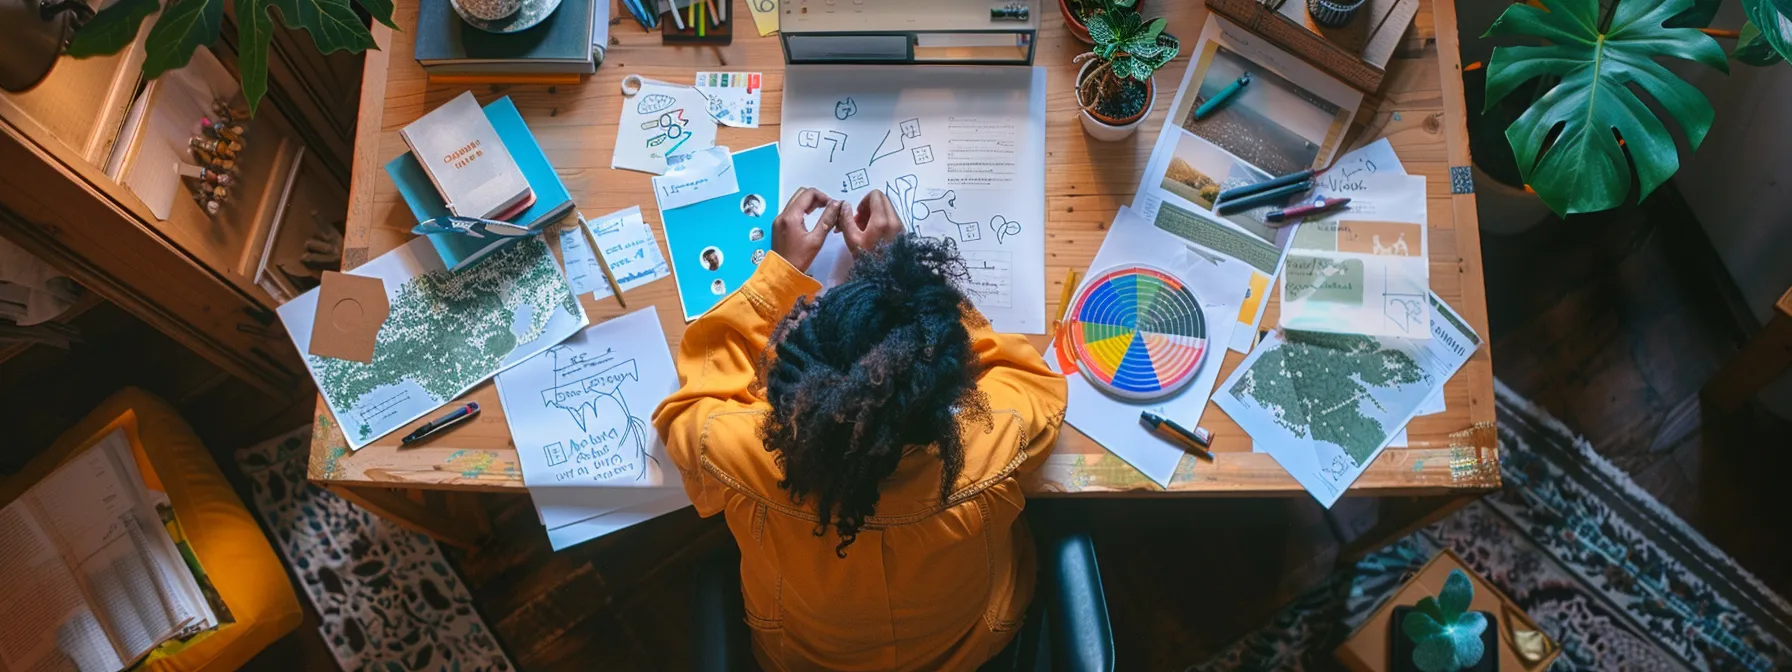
x=443, y=39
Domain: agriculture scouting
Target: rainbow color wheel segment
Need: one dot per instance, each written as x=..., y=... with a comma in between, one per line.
x=1136, y=332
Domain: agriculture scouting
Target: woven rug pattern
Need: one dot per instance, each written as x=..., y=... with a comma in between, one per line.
x=387, y=598
x=1606, y=570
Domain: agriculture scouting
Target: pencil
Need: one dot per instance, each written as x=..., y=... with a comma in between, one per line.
x=715, y=18
x=702, y=22
x=1064, y=297
x=676, y=19
x=725, y=4
x=602, y=263
x=690, y=17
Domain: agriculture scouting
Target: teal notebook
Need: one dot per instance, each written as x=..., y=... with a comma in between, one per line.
x=715, y=245
x=551, y=198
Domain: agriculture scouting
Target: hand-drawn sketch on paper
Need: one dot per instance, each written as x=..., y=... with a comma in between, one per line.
x=959, y=153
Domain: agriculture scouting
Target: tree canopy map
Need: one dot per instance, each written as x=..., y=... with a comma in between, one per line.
x=1313, y=385
x=446, y=332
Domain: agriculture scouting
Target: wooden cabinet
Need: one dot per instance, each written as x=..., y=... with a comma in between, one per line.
x=87, y=162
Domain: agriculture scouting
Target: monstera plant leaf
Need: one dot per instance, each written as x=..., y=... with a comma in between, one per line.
x=1568, y=143
x=186, y=25
x=1768, y=30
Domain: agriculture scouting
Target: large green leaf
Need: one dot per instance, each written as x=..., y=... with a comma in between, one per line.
x=1699, y=15
x=112, y=29
x=253, y=30
x=1769, y=17
x=380, y=10
x=185, y=25
x=1565, y=143
x=1752, y=47
x=332, y=23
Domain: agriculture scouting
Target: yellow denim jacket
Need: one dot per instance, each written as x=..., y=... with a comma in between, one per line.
x=928, y=585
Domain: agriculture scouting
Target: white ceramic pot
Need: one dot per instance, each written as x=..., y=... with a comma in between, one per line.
x=1103, y=130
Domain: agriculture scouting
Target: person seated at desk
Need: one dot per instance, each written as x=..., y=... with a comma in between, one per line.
x=866, y=447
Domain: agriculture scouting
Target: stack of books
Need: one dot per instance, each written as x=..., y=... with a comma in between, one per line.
x=477, y=163
x=564, y=47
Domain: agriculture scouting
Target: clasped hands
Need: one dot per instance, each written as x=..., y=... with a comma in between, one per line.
x=866, y=227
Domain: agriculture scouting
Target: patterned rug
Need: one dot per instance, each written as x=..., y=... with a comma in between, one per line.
x=387, y=598
x=1606, y=570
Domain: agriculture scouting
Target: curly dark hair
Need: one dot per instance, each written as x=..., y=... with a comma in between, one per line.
x=879, y=364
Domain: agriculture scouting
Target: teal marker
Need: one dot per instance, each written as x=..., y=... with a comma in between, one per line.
x=1220, y=99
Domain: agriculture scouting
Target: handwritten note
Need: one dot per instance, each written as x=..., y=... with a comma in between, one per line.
x=629, y=248
x=705, y=175
x=578, y=416
x=660, y=123
x=582, y=272
x=1348, y=177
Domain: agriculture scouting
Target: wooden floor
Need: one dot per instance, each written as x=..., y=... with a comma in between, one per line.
x=1612, y=323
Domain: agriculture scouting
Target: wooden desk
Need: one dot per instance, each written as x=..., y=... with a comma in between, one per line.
x=1419, y=109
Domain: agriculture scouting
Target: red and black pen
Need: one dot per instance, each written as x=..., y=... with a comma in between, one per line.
x=1296, y=213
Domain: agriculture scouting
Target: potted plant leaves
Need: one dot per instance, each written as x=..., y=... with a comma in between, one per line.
x=1076, y=13
x=1114, y=87
x=1440, y=634
x=1560, y=114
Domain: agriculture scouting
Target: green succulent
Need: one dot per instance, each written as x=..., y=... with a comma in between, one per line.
x=1129, y=49
x=1134, y=47
x=1446, y=634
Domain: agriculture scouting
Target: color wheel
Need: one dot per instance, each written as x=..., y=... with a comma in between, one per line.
x=1136, y=332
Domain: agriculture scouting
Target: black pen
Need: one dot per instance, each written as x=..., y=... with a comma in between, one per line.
x=1266, y=185
x=453, y=417
x=1195, y=442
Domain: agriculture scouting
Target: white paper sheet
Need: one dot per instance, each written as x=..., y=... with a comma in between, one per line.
x=707, y=174
x=1218, y=284
x=616, y=520
x=961, y=153
x=626, y=243
x=433, y=348
x=1326, y=405
x=578, y=417
x=1345, y=177
x=1364, y=269
x=582, y=272
x=733, y=96
x=1169, y=196
x=661, y=122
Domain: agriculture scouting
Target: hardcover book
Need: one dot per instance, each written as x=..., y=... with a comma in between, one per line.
x=467, y=162
x=562, y=43
x=551, y=197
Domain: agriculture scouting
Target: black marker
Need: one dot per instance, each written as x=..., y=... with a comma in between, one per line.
x=453, y=417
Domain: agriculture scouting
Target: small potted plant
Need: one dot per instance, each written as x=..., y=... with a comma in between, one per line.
x=1440, y=634
x=1077, y=13
x=1114, y=87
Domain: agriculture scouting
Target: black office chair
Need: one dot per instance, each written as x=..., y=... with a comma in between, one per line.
x=1066, y=628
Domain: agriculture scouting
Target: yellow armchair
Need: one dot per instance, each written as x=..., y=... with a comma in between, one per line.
x=222, y=532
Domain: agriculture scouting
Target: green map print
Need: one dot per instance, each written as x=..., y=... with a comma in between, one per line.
x=1313, y=382
x=449, y=330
